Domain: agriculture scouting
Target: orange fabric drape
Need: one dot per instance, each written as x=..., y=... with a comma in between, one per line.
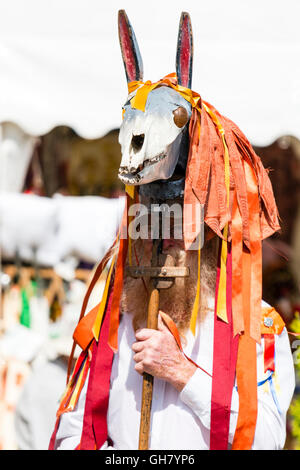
x=246, y=374
x=256, y=252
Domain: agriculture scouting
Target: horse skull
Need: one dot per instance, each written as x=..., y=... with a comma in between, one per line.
x=150, y=140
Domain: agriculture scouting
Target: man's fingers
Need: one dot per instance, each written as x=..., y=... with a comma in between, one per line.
x=139, y=368
x=137, y=347
x=144, y=333
x=138, y=357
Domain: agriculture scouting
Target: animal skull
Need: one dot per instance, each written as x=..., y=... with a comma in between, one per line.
x=151, y=139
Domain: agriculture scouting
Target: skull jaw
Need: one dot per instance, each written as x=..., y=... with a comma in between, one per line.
x=162, y=169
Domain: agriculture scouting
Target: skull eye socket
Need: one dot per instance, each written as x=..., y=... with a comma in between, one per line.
x=137, y=142
x=181, y=116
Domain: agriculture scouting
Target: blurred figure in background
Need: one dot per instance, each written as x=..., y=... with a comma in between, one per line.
x=36, y=408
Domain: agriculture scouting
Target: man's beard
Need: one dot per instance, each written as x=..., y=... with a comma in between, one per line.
x=178, y=300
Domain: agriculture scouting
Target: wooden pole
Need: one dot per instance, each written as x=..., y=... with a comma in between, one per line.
x=153, y=308
x=161, y=277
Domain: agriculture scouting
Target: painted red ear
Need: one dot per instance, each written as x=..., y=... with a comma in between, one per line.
x=130, y=50
x=184, y=55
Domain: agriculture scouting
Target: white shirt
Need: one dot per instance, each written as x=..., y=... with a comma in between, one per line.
x=181, y=420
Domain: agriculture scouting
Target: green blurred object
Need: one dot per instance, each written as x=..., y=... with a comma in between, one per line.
x=294, y=411
x=25, y=312
x=26, y=293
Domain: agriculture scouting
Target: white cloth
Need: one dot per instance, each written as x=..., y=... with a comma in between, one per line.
x=87, y=226
x=50, y=231
x=27, y=222
x=62, y=65
x=181, y=420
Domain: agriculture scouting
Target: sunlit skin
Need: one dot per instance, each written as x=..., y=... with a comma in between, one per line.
x=157, y=353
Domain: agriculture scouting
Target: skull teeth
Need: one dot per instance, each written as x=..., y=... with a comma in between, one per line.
x=130, y=180
x=130, y=174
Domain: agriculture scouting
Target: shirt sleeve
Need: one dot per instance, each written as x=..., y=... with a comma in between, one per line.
x=274, y=393
x=197, y=395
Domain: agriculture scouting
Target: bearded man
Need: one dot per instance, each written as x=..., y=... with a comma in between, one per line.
x=220, y=356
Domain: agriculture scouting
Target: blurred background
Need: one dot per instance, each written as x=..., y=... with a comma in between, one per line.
x=62, y=86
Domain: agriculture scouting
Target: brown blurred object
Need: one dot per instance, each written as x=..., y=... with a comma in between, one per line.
x=34, y=181
x=79, y=167
x=282, y=157
x=281, y=253
x=93, y=168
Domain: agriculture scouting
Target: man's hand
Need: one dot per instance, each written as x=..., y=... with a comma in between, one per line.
x=157, y=353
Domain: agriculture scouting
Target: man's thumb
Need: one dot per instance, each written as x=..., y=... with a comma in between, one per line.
x=161, y=326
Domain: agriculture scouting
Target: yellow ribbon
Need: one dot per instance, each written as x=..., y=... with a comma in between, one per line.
x=197, y=298
x=144, y=88
x=130, y=190
x=74, y=396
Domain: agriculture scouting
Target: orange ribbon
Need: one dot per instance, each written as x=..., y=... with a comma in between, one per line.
x=98, y=321
x=246, y=374
x=173, y=329
x=115, y=304
x=119, y=278
x=237, y=272
x=256, y=252
x=93, y=282
x=83, y=333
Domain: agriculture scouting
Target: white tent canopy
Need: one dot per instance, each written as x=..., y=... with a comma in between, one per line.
x=60, y=62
